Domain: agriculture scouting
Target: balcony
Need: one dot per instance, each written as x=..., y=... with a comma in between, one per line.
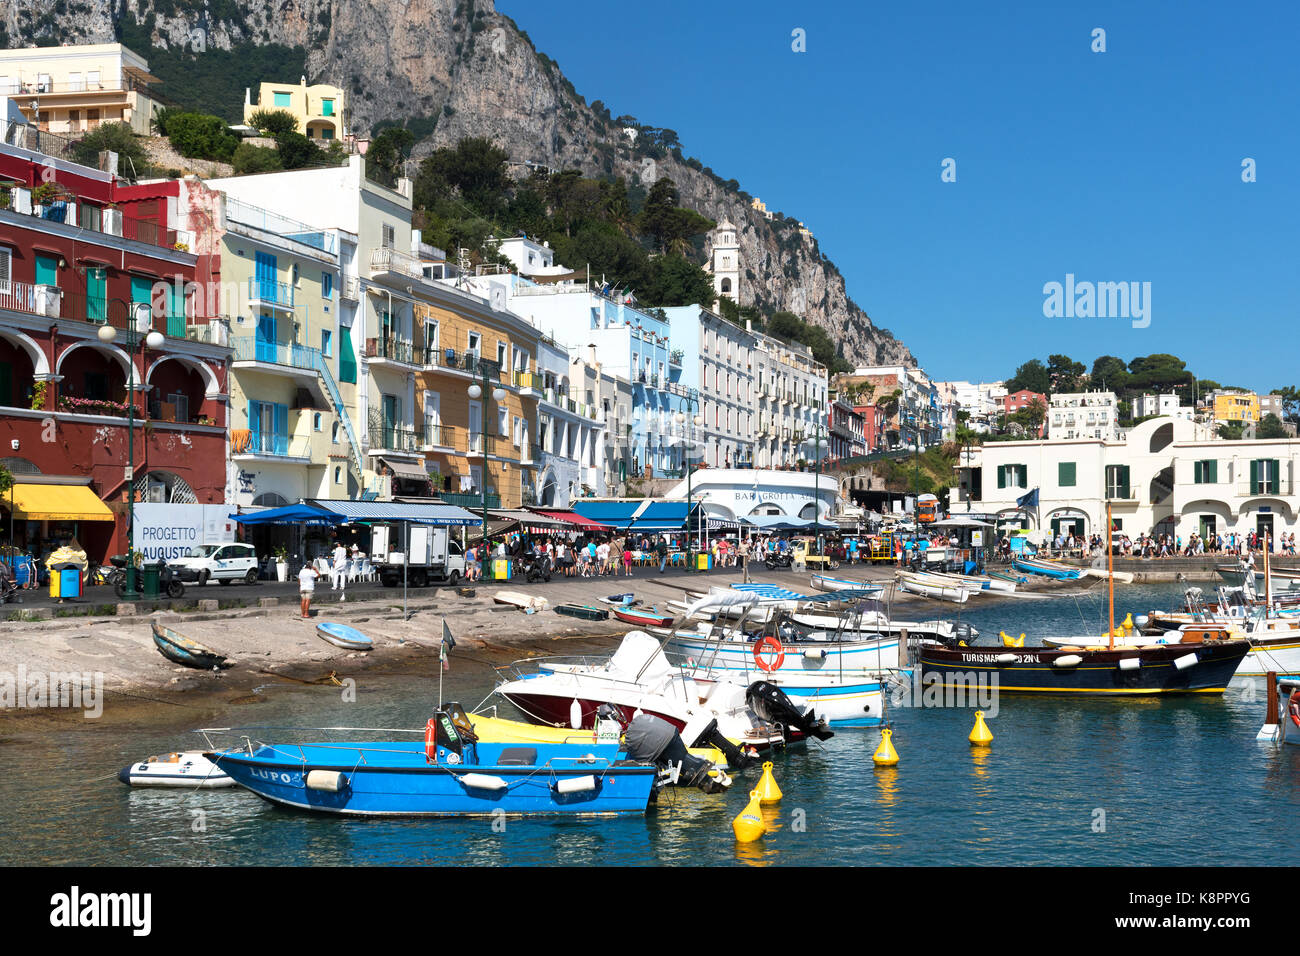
x=478, y=445
x=675, y=357
x=438, y=437
x=467, y=363
x=530, y=453
x=289, y=358
x=390, y=349
x=253, y=444
x=394, y=262
x=55, y=303
x=350, y=289
x=470, y=500
x=529, y=383
x=389, y=436
x=269, y=293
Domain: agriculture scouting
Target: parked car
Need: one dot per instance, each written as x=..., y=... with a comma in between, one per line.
x=217, y=562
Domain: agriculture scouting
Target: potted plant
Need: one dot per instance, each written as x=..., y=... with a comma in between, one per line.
x=281, y=563
x=38, y=396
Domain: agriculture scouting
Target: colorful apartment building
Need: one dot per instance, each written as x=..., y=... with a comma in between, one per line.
x=72, y=89
x=319, y=108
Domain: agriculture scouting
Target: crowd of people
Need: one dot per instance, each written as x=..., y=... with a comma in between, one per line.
x=1168, y=545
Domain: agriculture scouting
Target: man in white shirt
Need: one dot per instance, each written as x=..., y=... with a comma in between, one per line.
x=306, y=586
x=339, y=569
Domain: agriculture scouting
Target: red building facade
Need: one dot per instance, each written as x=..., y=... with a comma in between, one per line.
x=78, y=253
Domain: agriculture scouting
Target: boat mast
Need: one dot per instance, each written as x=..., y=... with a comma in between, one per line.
x=1110, y=575
x=1268, y=584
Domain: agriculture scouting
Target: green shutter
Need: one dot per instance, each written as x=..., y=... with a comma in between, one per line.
x=96, y=291
x=47, y=270
x=1254, y=476
x=1002, y=476
x=347, y=359
x=1124, y=481
x=1065, y=474
x=1212, y=472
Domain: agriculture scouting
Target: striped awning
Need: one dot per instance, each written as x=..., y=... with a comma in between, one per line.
x=571, y=520
x=451, y=515
x=536, y=523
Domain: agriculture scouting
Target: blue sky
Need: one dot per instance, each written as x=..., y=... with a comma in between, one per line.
x=1115, y=166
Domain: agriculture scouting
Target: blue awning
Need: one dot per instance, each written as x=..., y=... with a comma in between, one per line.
x=641, y=515
x=291, y=514
x=615, y=514
x=431, y=514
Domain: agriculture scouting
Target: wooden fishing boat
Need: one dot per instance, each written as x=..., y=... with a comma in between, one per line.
x=520, y=600
x=584, y=611
x=625, y=597
x=643, y=617
x=179, y=649
x=1048, y=569
x=823, y=582
x=340, y=635
x=1205, y=664
x=928, y=587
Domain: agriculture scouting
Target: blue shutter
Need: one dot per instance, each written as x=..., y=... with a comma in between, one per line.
x=281, y=429
x=255, y=425
x=265, y=339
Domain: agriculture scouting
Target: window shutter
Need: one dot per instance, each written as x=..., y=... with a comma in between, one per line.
x=1254, y=477
x=1065, y=474
x=6, y=268
x=282, y=429
x=1124, y=481
x=1212, y=472
x=1002, y=476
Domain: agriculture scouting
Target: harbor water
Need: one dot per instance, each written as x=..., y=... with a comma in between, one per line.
x=1160, y=781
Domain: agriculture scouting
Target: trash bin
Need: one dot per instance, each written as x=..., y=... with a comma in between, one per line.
x=149, y=576
x=65, y=581
x=704, y=561
x=501, y=569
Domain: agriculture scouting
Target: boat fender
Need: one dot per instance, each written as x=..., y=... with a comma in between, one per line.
x=331, y=781
x=815, y=654
x=575, y=715
x=1130, y=663
x=774, y=644
x=1186, y=661
x=1069, y=660
x=1006, y=658
x=583, y=784
x=1142, y=620
x=482, y=781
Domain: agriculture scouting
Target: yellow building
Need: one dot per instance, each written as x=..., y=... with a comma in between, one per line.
x=466, y=345
x=319, y=109
x=72, y=89
x=1236, y=407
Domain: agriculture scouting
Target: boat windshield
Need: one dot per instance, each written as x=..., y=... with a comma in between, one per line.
x=202, y=551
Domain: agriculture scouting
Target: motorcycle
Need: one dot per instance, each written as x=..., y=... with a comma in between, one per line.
x=169, y=582
x=536, y=568
x=9, y=589
x=779, y=559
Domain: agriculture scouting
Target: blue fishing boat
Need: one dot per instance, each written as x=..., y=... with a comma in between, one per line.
x=179, y=649
x=450, y=773
x=1048, y=569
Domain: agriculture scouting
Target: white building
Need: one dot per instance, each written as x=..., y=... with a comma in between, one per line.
x=739, y=492
x=1147, y=405
x=980, y=401
x=1084, y=415
x=791, y=387
x=530, y=257
x=1167, y=475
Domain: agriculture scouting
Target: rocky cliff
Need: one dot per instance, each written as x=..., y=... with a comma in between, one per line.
x=453, y=68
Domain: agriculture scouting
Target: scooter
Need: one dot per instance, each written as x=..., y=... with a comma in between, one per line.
x=779, y=559
x=536, y=568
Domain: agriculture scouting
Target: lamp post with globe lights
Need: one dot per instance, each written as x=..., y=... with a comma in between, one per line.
x=135, y=343
x=498, y=395
x=688, y=444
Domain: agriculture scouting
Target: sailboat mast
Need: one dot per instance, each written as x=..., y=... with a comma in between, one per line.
x=1268, y=583
x=1110, y=575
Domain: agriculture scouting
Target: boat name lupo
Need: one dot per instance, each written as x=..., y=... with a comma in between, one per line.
x=978, y=689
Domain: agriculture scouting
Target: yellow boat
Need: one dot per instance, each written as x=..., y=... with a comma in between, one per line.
x=499, y=730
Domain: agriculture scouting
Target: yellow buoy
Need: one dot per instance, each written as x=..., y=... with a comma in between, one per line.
x=749, y=826
x=886, y=755
x=980, y=735
x=768, y=791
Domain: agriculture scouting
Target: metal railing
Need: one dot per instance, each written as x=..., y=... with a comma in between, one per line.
x=249, y=348
x=390, y=436
x=269, y=290
x=477, y=444
x=242, y=212
x=440, y=436
x=529, y=380
x=391, y=348
x=470, y=500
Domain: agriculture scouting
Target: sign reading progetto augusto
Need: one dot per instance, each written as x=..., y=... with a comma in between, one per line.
x=169, y=531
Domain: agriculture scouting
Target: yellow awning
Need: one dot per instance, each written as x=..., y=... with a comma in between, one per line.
x=57, y=503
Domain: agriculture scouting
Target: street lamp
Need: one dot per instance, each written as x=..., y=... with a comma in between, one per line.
x=687, y=444
x=498, y=394
x=135, y=343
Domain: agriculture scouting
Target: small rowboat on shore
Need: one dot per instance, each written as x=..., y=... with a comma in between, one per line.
x=340, y=635
x=644, y=617
x=823, y=582
x=626, y=597
x=179, y=649
x=520, y=600
x=584, y=611
x=189, y=769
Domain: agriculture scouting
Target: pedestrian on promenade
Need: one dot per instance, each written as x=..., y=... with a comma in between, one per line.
x=306, y=586
x=661, y=549
x=339, y=569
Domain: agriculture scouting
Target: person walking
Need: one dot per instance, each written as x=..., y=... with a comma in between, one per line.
x=306, y=586
x=339, y=570
x=661, y=549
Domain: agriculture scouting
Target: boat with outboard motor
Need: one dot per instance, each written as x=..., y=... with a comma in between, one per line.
x=449, y=772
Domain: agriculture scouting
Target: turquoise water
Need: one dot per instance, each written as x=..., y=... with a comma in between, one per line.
x=1067, y=781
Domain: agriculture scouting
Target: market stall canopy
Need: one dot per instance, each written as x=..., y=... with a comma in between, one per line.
x=406, y=469
x=534, y=523
x=40, y=502
x=373, y=511
x=290, y=514
x=573, y=520
x=961, y=521
x=644, y=514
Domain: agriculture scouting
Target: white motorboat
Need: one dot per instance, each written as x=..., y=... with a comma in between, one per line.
x=188, y=769
x=1288, y=711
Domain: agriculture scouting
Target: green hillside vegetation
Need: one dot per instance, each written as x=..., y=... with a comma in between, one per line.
x=464, y=194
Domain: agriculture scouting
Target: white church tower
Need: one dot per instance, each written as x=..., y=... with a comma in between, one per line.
x=725, y=263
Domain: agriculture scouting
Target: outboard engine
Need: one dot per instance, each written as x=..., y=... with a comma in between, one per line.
x=710, y=736
x=772, y=704
x=652, y=739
